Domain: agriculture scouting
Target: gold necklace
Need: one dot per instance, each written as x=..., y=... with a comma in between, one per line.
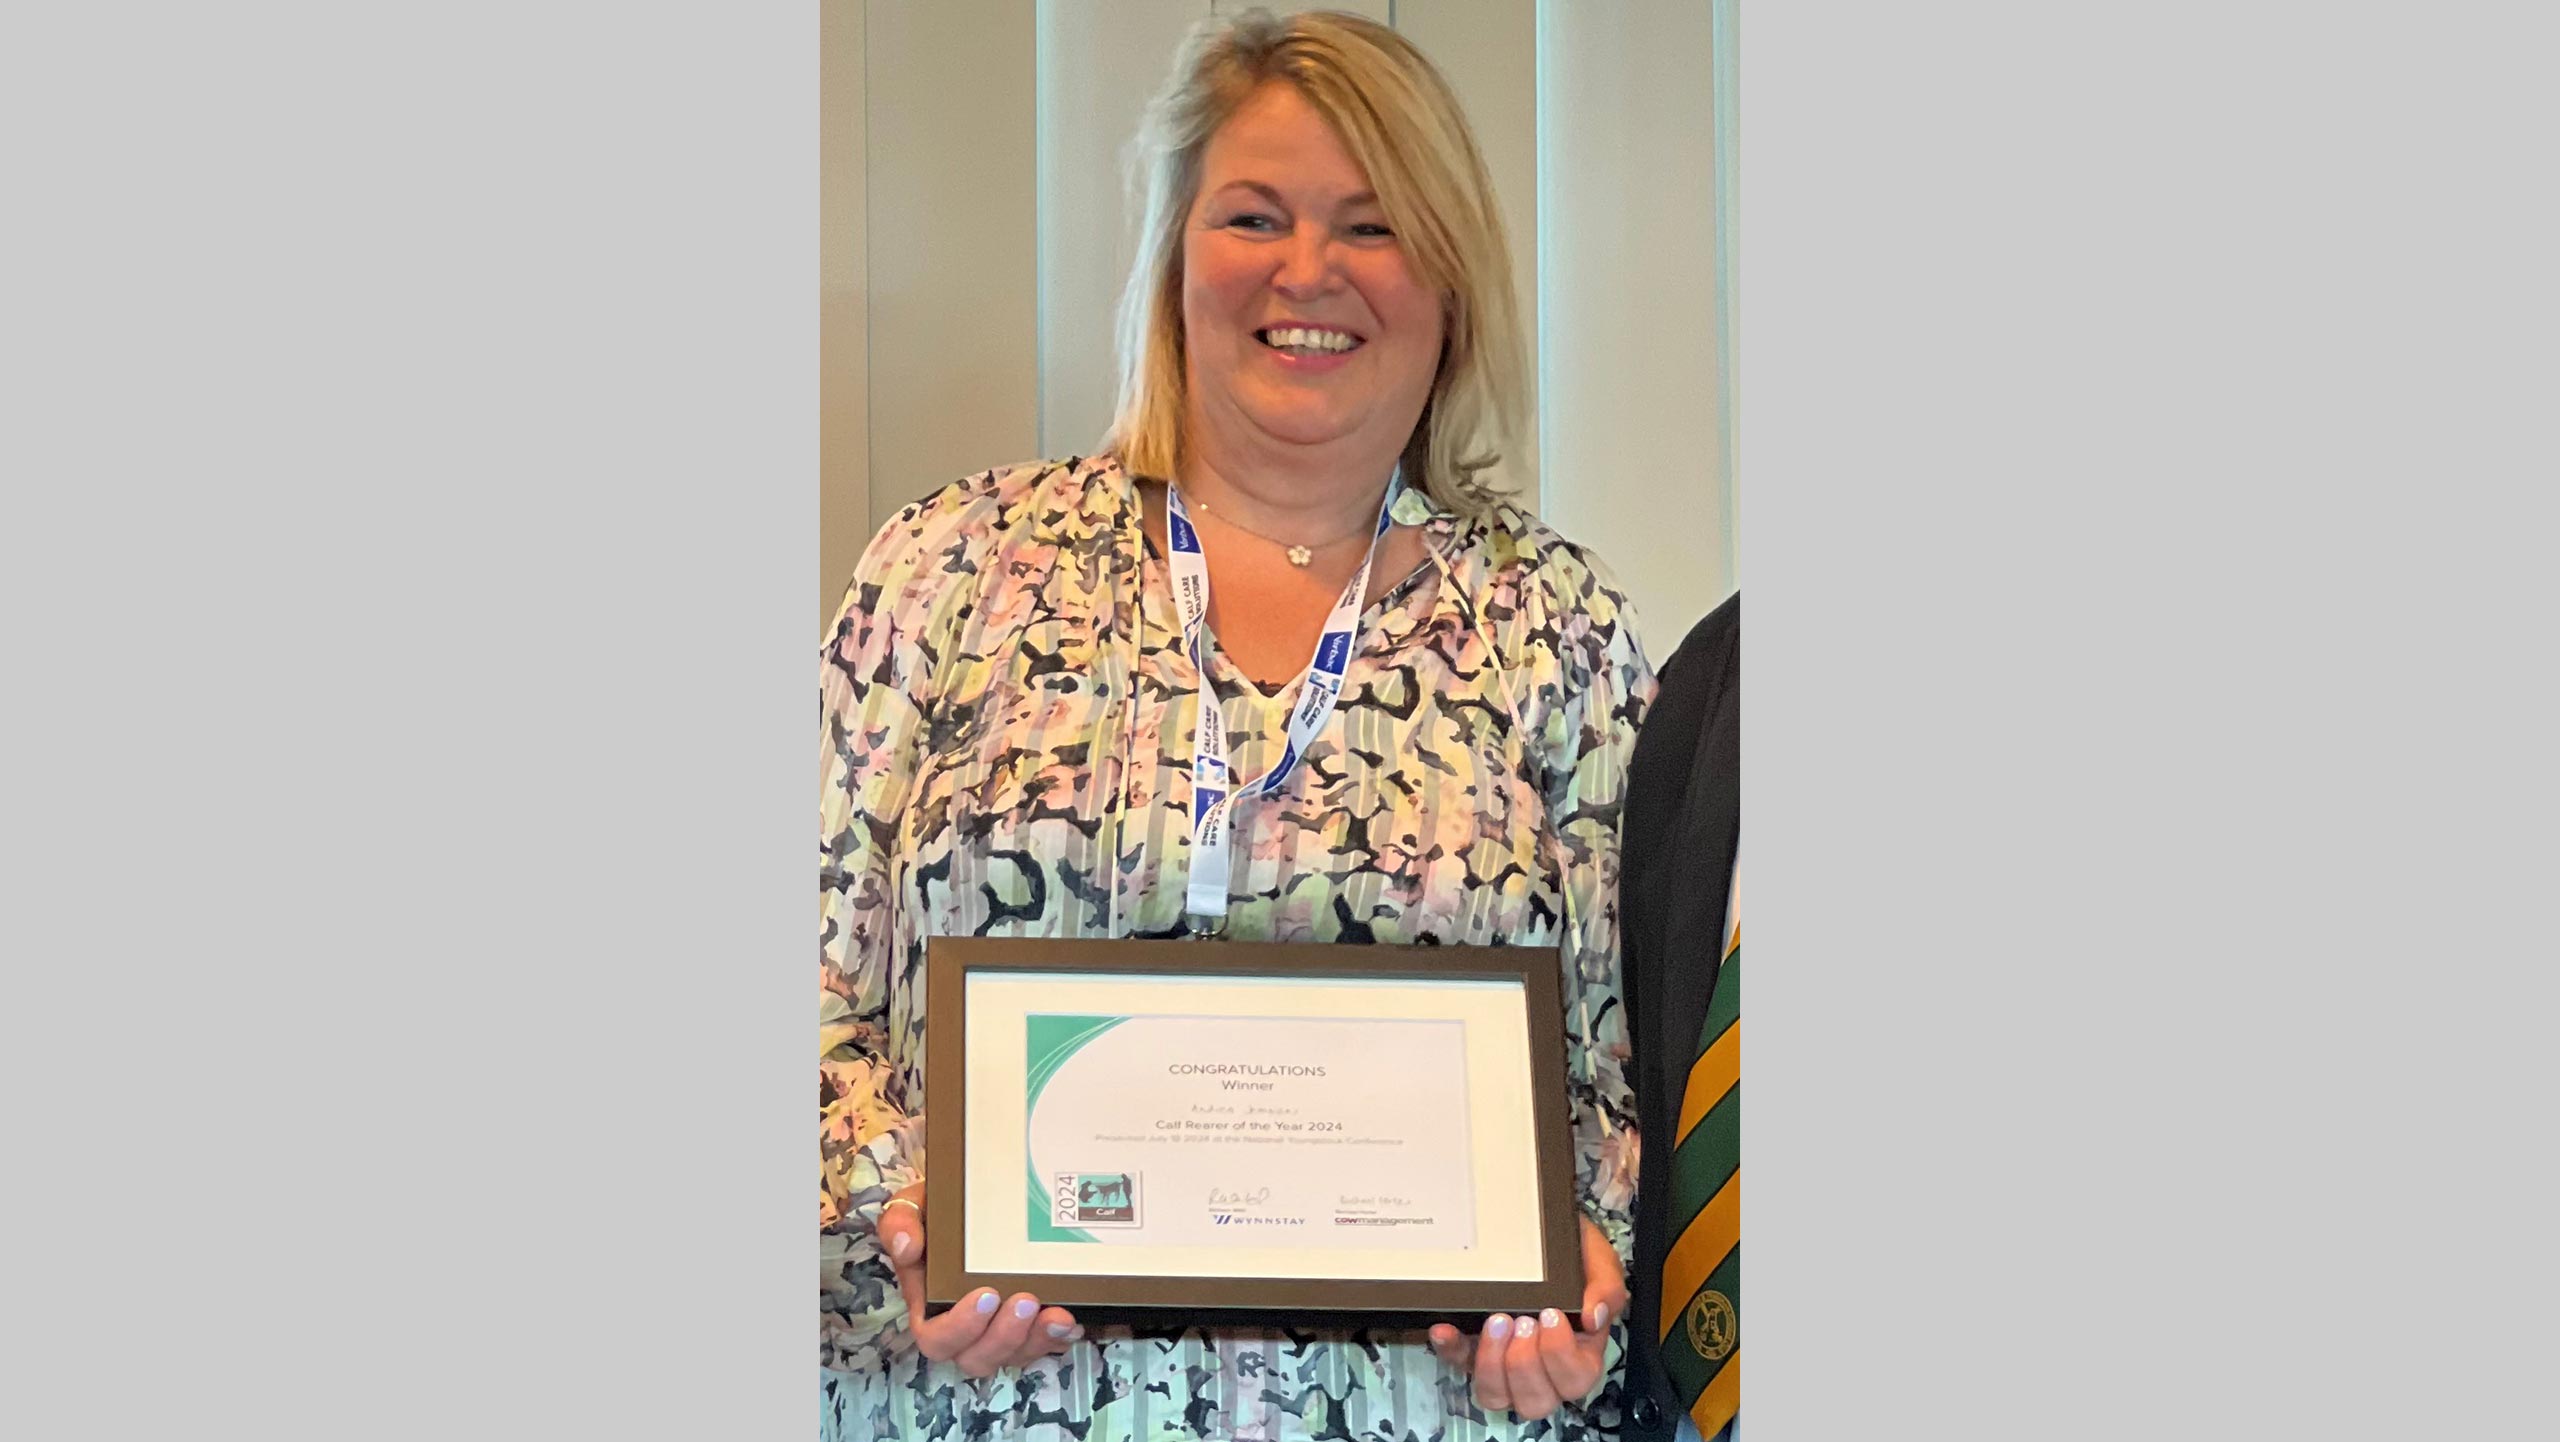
x=1299, y=555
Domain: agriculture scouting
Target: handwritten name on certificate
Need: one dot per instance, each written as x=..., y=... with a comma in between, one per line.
x=1263, y=1131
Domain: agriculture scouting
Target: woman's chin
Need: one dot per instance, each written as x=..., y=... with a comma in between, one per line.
x=1304, y=428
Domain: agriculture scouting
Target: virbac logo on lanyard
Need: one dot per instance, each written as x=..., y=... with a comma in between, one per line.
x=1213, y=789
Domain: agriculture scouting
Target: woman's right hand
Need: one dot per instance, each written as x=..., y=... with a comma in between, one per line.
x=984, y=1333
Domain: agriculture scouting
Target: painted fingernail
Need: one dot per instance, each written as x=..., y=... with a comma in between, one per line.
x=1600, y=1318
x=986, y=1303
x=1551, y=1317
x=1528, y=1326
x=1497, y=1326
x=1076, y=1333
x=1025, y=1308
x=902, y=1244
x=1059, y=1330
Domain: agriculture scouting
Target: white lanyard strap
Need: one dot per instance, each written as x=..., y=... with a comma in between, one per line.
x=1213, y=788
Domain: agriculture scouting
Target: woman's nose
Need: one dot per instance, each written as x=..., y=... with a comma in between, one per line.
x=1306, y=264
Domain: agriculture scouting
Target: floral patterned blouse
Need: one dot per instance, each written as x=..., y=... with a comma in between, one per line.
x=1007, y=709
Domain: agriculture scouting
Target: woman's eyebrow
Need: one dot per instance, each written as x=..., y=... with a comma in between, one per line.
x=1366, y=197
x=1258, y=188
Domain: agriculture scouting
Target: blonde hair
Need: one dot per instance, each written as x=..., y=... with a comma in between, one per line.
x=1400, y=122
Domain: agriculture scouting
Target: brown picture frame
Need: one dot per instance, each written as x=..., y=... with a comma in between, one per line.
x=1203, y=1300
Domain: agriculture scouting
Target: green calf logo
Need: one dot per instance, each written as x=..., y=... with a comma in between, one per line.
x=1101, y=1197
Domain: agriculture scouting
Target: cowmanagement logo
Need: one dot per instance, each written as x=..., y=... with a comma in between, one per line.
x=1382, y=1221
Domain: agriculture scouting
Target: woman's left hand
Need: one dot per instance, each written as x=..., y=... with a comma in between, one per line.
x=1534, y=1365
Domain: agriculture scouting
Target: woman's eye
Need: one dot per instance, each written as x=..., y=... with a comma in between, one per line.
x=1250, y=221
x=1373, y=230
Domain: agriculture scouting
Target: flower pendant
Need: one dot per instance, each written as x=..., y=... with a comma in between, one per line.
x=1300, y=555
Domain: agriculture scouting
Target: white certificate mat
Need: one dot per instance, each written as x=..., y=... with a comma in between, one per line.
x=1257, y=1126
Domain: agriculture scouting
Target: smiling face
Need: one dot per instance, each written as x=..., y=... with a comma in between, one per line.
x=1303, y=323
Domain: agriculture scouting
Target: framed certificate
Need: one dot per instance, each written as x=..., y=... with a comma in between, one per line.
x=1200, y=1131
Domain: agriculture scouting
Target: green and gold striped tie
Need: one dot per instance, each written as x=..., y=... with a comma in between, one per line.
x=1702, y=1276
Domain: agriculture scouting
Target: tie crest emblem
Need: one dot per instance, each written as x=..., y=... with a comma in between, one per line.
x=1713, y=1327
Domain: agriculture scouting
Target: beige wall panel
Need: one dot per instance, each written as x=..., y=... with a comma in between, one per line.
x=844, y=379
x=1100, y=62
x=1634, y=450
x=953, y=243
x=1728, y=95
x=1489, y=51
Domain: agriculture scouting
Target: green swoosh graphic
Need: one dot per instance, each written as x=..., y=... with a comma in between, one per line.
x=1048, y=1041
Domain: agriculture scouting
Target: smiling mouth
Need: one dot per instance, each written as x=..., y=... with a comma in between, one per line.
x=1308, y=340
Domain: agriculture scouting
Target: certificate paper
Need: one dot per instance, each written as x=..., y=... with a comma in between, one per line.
x=1306, y=1131
x=1319, y=1127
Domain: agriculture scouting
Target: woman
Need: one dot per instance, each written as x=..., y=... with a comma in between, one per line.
x=1319, y=357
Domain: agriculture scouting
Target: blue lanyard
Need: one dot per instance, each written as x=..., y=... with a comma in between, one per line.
x=1213, y=788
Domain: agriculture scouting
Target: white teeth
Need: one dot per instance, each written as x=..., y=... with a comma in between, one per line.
x=1299, y=338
